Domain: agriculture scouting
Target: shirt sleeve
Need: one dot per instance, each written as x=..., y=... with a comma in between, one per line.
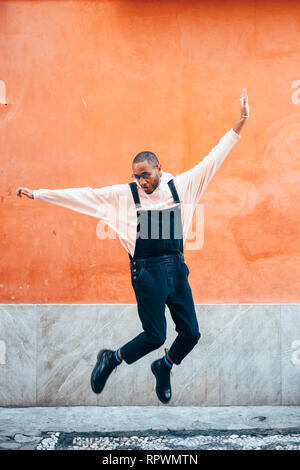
x=90, y=201
x=192, y=183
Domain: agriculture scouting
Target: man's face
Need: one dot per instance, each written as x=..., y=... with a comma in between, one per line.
x=147, y=175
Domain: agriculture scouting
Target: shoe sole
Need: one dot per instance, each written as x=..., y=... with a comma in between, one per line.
x=157, y=393
x=100, y=353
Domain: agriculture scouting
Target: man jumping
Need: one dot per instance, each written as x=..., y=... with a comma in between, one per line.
x=153, y=235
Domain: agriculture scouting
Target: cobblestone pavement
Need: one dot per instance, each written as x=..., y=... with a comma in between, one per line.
x=195, y=440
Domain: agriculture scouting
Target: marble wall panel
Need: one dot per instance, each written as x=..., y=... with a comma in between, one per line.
x=237, y=359
x=290, y=354
x=247, y=355
x=18, y=355
x=66, y=337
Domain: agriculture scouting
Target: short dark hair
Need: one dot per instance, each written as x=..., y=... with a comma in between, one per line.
x=149, y=156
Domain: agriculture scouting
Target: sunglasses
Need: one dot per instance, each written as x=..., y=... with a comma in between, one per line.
x=144, y=175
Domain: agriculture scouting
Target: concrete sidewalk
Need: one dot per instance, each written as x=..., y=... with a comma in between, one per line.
x=87, y=419
x=150, y=427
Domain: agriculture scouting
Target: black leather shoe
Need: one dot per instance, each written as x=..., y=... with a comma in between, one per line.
x=104, y=366
x=163, y=384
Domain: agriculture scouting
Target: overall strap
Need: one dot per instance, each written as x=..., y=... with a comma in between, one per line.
x=135, y=194
x=173, y=191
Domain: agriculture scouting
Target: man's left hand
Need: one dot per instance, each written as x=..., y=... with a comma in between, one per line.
x=244, y=106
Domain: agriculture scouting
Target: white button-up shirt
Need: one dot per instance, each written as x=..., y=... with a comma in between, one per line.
x=114, y=205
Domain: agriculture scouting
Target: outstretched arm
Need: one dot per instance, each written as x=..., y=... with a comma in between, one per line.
x=192, y=183
x=90, y=201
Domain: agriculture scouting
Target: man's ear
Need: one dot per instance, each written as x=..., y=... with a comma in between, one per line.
x=159, y=169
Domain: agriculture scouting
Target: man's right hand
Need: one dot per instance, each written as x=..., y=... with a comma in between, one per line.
x=27, y=192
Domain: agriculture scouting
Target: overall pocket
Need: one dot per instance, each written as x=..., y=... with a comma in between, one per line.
x=184, y=267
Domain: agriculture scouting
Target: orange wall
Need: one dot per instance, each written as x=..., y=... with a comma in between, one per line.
x=91, y=83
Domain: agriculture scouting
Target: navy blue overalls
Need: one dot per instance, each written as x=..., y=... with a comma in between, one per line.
x=159, y=277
